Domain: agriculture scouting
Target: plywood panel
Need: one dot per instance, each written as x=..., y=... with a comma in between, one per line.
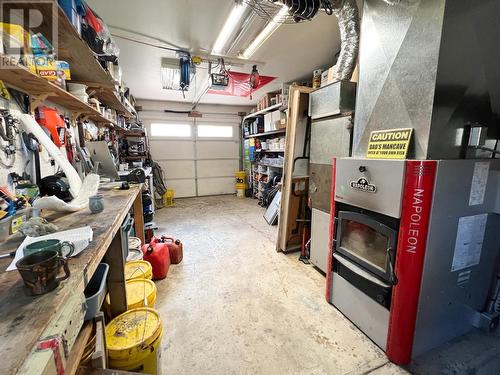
x=217, y=150
x=216, y=186
x=183, y=188
x=168, y=150
x=217, y=168
x=178, y=169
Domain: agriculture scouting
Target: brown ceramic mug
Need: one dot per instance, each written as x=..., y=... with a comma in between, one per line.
x=39, y=271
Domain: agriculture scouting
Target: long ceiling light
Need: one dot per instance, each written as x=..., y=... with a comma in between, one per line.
x=229, y=27
x=265, y=33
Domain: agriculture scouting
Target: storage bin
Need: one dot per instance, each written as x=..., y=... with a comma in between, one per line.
x=10, y=225
x=95, y=291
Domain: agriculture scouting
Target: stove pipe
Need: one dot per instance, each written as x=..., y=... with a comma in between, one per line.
x=430, y=65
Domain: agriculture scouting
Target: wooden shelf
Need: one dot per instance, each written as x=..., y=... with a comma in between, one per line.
x=272, y=108
x=265, y=134
x=271, y=166
x=133, y=157
x=270, y=151
x=70, y=46
x=84, y=66
x=108, y=97
x=40, y=88
x=131, y=133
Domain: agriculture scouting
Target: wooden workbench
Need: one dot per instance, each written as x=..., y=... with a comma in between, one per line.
x=24, y=319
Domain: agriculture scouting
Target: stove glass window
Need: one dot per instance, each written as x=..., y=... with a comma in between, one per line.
x=365, y=243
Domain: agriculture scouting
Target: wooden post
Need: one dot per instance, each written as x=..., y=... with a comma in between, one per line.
x=139, y=218
x=116, y=276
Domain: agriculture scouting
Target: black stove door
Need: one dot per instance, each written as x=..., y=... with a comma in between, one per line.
x=367, y=242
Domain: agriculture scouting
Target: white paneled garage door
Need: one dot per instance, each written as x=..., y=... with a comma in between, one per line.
x=198, y=156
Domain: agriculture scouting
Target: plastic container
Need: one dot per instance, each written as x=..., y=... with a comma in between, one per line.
x=138, y=269
x=158, y=255
x=95, y=291
x=240, y=190
x=240, y=177
x=140, y=292
x=12, y=224
x=175, y=249
x=134, y=243
x=168, y=198
x=133, y=340
x=134, y=254
x=77, y=89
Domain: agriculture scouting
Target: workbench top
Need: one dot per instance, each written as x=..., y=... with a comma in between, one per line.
x=23, y=319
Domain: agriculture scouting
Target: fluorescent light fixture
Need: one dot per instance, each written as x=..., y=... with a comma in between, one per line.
x=229, y=26
x=265, y=33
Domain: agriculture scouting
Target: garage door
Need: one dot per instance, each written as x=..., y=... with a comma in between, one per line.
x=198, y=156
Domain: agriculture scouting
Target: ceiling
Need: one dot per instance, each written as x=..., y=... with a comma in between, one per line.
x=290, y=54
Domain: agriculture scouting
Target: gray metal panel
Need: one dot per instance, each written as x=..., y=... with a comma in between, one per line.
x=386, y=175
x=333, y=99
x=398, y=66
x=320, y=186
x=320, y=223
x=330, y=138
x=369, y=316
x=422, y=65
x=445, y=308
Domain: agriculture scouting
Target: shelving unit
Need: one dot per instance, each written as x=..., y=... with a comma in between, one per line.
x=41, y=89
x=264, y=111
x=84, y=66
x=265, y=134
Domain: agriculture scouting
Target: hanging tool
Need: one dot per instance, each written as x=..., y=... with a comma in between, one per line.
x=33, y=145
x=8, y=131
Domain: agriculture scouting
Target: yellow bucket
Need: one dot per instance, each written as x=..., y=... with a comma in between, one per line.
x=241, y=177
x=138, y=269
x=137, y=291
x=133, y=340
x=168, y=198
x=240, y=190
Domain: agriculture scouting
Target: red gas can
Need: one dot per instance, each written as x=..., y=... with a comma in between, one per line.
x=175, y=248
x=157, y=253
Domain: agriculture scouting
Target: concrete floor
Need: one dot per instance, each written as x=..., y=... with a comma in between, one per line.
x=235, y=306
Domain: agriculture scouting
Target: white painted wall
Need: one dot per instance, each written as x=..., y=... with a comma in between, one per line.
x=196, y=166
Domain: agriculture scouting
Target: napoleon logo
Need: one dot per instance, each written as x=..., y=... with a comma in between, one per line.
x=363, y=185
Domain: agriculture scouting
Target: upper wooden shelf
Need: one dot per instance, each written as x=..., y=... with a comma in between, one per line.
x=84, y=66
x=40, y=88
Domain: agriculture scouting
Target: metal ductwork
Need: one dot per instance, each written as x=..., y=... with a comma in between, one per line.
x=347, y=14
x=430, y=65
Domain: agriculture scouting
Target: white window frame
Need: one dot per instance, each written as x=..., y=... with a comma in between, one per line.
x=231, y=126
x=173, y=137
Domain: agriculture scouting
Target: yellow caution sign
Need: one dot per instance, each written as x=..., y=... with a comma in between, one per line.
x=389, y=144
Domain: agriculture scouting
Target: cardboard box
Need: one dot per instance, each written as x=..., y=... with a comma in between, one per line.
x=327, y=76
